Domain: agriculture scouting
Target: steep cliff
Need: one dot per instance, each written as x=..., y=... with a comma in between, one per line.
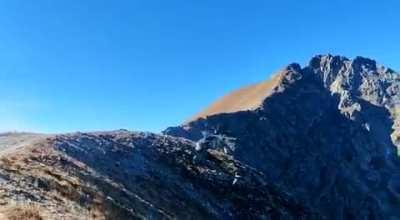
x=326, y=133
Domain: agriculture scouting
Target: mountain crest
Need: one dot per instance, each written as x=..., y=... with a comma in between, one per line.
x=326, y=132
x=360, y=77
x=314, y=142
x=357, y=83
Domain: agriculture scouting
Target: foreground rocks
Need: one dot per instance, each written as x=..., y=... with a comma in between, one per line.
x=124, y=175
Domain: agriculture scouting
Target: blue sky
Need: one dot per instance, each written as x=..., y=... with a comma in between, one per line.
x=71, y=65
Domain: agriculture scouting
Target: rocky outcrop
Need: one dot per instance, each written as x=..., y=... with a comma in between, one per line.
x=125, y=175
x=369, y=94
x=324, y=135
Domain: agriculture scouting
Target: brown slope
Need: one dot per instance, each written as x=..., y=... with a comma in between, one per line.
x=246, y=98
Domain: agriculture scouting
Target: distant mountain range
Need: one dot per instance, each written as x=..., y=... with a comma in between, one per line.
x=313, y=142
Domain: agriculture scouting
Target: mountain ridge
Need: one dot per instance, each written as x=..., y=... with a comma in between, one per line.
x=318, y=143
x=318, y=61
x=334, y=116
x=354, y=81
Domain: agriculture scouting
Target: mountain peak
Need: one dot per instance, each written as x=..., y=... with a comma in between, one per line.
x=326, y=132
x=358, y=77
x=323, y=61
x=332, y=62
x=294, y=67
x=359, y=60
x=251, y=97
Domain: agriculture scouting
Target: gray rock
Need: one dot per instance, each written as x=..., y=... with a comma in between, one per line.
x=328, y=136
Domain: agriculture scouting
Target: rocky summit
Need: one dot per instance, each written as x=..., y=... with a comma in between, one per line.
x=314, y=142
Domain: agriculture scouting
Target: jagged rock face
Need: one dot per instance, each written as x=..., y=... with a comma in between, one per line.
x=124, y=175
x=368, y=93
x=324, y=135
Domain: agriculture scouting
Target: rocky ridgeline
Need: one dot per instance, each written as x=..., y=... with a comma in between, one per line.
x=125, y=175
x=322, y=145
x=369, y=94
x=327, y=134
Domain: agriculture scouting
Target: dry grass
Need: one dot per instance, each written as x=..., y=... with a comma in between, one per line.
x=45, y=165
x=23, y=212
x=246, y=98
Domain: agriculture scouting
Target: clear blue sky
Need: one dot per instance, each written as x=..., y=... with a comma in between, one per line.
x=71, y=65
